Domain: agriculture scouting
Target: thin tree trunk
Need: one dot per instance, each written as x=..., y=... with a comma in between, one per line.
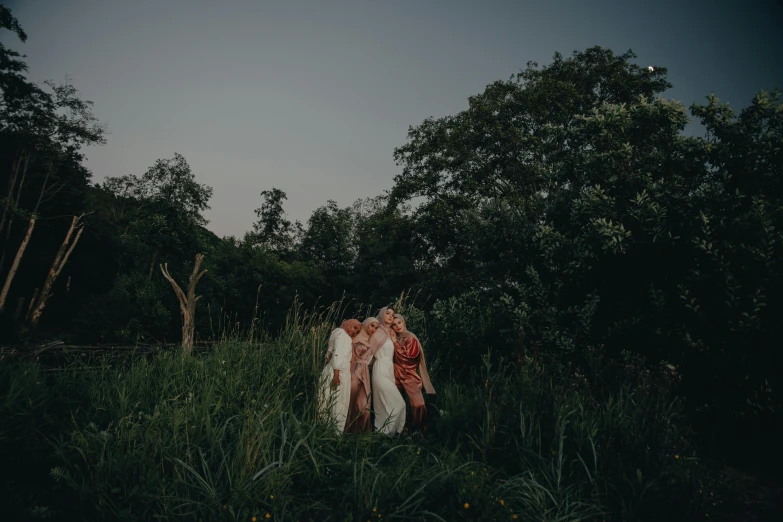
x=30, y=306
x=15, y=265
x=12, y=203
x=57, y=267
x=187, y=303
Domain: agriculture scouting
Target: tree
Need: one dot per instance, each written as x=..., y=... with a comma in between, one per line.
x=187, y=302
x=42, y=129
x=573, y=190
x=160, y=212
x=272, y=230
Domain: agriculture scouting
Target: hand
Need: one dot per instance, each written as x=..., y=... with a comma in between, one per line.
x=336, y=379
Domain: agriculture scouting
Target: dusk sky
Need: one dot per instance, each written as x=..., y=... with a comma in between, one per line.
x=312, y=97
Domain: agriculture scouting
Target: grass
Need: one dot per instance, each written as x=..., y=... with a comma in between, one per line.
x=234, y=433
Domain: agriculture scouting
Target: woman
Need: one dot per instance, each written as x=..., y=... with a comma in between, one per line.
x=359, y=410
x=408, y=357
x=335, y=392
x=387, y=402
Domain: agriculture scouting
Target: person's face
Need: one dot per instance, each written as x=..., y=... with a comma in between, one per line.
x=355, y=329
x=398, y=325
x=371, y=328
x=388, y=317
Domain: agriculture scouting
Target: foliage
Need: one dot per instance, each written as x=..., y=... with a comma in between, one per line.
x=565, y=214
x=272, y=230
x=234, y=433
x=574, y=191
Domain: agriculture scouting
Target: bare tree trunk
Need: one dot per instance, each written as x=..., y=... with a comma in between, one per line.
x=15, y=265
x=57, y=267
x=187, y=303
x=12, y=202
x=30, y=306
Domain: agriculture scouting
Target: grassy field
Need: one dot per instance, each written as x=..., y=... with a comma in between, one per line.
x=233, y=433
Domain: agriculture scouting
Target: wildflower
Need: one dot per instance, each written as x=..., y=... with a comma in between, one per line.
x=272, y=497
x=224, y=506
x=267, y=516
x=514, y=517
x=676, y=456
x=253, y=519
x=650, y=68
x=466, y=505
x=375, y=510
x=501, y=502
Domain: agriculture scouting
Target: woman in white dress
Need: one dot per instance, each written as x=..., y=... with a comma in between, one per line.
x=387, y=402
x=335, y=385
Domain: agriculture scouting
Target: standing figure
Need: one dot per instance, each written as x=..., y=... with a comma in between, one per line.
x=408, y=357
x=359, y=410
x=335, y=390
x=387, y=402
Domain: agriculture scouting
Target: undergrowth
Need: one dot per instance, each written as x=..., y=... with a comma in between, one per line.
x=233, y=433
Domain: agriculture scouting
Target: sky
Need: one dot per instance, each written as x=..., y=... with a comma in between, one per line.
x=312, y=97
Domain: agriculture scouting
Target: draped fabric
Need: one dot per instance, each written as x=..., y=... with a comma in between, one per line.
x=408, y=358
x=387, y=401
x=422, y=366
x=359, y=410
x=382, y=333
x=335, y=400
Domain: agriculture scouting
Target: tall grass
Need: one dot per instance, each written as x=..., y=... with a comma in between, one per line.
x=234, y=433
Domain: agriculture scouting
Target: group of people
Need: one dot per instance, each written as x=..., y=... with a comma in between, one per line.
x=369, y=366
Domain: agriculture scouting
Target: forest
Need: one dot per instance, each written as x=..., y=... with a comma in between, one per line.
x=598, y=291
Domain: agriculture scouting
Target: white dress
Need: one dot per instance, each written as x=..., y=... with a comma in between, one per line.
x=387, y=402
x=336, y=401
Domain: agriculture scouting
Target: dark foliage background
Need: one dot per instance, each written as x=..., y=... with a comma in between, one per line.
x=565, y=211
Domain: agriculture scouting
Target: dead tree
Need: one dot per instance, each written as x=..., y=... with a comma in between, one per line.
x=57, y=266
x=187, y=303
x=15, y=265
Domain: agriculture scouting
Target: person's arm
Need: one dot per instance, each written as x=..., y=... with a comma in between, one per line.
x=341, y=358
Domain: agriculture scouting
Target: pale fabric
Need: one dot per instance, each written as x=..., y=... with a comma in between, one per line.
x=337, y=400
x=359, y=412
x=387, y=402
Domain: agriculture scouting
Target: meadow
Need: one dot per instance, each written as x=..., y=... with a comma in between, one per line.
x=233, y=433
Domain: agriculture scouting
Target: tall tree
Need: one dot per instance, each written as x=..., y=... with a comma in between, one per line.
x=42, y=129
x=273, y=230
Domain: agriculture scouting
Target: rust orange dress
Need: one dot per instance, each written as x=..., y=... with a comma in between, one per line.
x=407, y=357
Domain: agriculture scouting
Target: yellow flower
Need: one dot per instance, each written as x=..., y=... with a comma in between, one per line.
x=272, y=497
x=502, y=503
x=374, y=510
x=253, y=519
x=514, y=517
x=224, y=506
x=676, y=456
x=466, y=505
x=267, y=516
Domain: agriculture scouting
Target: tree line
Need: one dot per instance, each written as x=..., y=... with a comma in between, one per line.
x=564, y=211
